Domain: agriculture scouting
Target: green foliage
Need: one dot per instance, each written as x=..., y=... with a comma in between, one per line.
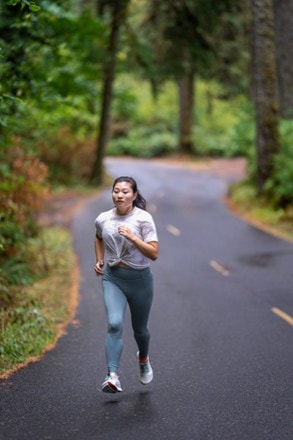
x=24, y=337
x=34, y=258
x=10, y=233
x=124, y=103
x=30, y=321
x=248, y=203
x=170, y=39
x=243, y=132
x=278, y=192
x=223, y=127
x=231, y=39
x=143, y=126
x=24, y=3
x=68, y=157
x=162, y=107
x=22, y=189
x=5, y=293
x=51, y=61
x=152, y=141
x=280, y=185
x=16, y=270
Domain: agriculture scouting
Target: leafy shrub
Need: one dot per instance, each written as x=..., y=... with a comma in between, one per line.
x=22, y=189
x=29, y=320
x=223, y=127
x=242, y=133
x=16, y=269
x=145, y=108
x=124, y=103
x=68, y=158
x=206, y=143
x=280, y=185
x=36, y=257
x=145, y=142
x=5, y=293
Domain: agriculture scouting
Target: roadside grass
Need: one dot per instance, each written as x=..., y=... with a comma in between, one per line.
x=40, y=311
x=243, y=201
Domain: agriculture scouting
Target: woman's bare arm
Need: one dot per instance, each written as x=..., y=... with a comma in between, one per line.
x=99, y=251
x=149, y=249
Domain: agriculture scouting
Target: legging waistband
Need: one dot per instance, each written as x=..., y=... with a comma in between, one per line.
x=126, y=273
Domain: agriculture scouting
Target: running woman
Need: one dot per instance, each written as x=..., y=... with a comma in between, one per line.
x=126, y=240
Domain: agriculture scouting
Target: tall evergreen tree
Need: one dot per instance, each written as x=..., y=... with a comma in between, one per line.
x=265, y=89
x=183, y=46
x=118, y=14
x=284, y=42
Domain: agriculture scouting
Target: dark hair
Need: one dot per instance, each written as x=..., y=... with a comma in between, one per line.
x=140, y=201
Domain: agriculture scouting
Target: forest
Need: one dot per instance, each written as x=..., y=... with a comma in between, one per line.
x=86, y=79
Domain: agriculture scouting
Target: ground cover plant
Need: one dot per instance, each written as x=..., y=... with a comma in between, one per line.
x=41, y=302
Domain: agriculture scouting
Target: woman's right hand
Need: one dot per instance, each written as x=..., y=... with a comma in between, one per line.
x=99, y=268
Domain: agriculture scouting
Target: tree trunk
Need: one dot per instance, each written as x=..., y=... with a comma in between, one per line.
x=186, y=99
x=118, y=11
x=284, y=42
x=265, y=89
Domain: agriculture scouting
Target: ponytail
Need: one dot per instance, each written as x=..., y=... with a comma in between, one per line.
x=140, y=201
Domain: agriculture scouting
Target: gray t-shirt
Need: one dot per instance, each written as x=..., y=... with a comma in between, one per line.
x=118, y=249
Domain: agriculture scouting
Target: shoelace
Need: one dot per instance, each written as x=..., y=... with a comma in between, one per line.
x=145, y=368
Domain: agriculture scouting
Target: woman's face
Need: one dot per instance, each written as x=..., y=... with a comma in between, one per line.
x=123, y=197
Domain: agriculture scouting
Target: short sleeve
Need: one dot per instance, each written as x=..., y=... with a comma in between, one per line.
x=98, y=227
x=148, y=229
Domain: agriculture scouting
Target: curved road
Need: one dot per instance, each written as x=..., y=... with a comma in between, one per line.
x=221, y=348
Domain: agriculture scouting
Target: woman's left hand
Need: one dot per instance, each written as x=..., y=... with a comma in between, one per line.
x=149, y=249
x=126, y=232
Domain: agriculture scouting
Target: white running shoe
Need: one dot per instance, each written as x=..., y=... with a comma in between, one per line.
x=111, y=384
x=145, y=371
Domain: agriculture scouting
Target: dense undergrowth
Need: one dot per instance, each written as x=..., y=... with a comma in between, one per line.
x=244, y=200
x=40, y=302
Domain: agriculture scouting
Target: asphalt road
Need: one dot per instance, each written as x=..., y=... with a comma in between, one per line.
x=222, y=357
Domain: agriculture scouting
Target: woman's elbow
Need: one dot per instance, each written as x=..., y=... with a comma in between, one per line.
x=153, y=251
x=155, y=255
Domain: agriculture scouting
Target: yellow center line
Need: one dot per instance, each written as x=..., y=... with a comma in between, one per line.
x=173, y=230
x=283, y=315
x=219, y=268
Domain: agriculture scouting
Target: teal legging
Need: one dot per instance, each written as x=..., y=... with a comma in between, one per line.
x=121, y=286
